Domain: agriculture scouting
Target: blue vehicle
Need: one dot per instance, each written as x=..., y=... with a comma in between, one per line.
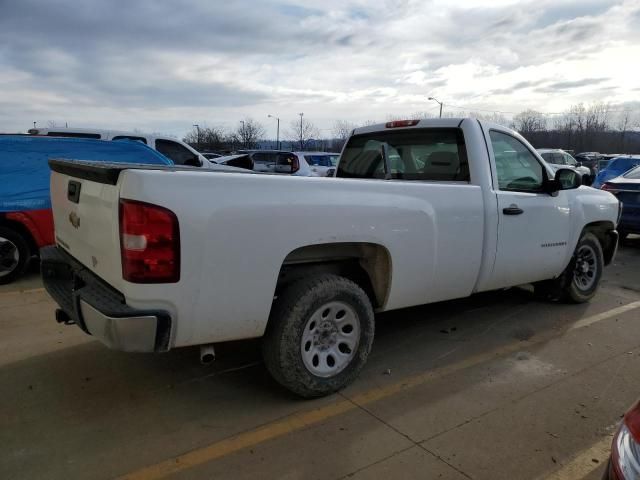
x=627, y=188
x=26, y=221
x=615, y=168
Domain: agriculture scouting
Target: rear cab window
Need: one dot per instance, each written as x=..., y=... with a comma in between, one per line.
x=427, y=154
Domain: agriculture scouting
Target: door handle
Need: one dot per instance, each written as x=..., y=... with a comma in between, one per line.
x=512, y=210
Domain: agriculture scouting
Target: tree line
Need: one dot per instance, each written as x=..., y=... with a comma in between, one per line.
x=592, y=127
x=582, y=128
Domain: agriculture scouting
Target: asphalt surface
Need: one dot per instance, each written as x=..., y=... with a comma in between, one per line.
x=497, y=386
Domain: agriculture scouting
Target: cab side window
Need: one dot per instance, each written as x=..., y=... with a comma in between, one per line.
x=517, y=168
x=177, y=153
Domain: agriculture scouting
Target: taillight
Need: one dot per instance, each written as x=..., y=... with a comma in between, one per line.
x=625, y=448
x=609, y=187
x=295, y=164
x=402, y=123
x=149, y=242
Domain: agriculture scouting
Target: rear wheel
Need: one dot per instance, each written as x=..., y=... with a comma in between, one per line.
x=319, y=336
x=579, y=282
x=14, y=255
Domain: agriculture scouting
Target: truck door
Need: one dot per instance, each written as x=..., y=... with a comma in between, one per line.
x=533, y=226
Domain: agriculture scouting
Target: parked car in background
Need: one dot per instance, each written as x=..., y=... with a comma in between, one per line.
x=320, y=163
x=278, y=161
x=26, y=223
x=179, y=152
x=240, y=160
x=624, y=461
x=558, y=158
x=615, y=168
x=589, y=160
x=627, y=188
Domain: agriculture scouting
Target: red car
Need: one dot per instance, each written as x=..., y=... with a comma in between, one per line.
x=624, y=463
x=26, y=222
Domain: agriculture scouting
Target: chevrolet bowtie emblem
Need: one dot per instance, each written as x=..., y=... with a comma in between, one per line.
x=74, y=219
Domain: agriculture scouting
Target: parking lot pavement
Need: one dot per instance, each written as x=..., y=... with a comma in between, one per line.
x=495, y=386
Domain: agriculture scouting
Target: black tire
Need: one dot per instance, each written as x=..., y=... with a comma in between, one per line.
x=571, y=285
x=291, y=312
x=12, y=243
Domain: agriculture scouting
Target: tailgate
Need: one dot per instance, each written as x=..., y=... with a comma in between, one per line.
x=85, y=214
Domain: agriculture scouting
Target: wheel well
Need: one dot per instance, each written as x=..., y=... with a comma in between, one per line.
x=22, y=230
x=604, y=232
x=366, y=264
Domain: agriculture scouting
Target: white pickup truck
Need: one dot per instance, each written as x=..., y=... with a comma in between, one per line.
x=154, y=258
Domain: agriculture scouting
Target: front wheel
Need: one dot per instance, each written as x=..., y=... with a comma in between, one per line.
x=580, y=280
x=319, y=335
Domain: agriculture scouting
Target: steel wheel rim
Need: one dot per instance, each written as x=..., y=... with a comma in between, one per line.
x=9, y=256
x=586, y=268
x=330, y=339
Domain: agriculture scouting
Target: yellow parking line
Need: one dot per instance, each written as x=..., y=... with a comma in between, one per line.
x=302, y=420
x=19, y=292
x=583, y=464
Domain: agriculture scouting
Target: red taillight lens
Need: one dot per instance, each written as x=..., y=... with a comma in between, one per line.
x=608, y=187
x=295, y=164
x=149, y=243
x=402, y=123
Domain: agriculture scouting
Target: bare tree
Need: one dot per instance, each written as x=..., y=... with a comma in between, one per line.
x=529, y=121
x=302, y=132
x=249, y=133
x=342, y=129
x=494, y=117
x=207, y=138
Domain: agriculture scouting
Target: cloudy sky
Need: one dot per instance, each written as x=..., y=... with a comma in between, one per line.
x=163, y=65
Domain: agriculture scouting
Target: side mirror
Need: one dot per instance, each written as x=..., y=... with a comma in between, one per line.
x=565, y=179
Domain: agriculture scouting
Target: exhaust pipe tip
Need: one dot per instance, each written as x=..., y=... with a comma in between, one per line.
x=207, y=354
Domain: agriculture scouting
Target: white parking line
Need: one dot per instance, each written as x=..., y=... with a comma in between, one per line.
x=585, y=322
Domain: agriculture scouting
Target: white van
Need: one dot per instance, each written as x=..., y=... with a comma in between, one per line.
x=176, y=150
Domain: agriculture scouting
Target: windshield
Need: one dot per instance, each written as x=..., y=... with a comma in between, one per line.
x=623, y=164
x=416, y=154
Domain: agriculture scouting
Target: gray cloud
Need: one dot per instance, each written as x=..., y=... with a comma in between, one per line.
x=562, y=86
x=91, y=60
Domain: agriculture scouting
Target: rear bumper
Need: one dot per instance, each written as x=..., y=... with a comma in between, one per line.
x=100, y=310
